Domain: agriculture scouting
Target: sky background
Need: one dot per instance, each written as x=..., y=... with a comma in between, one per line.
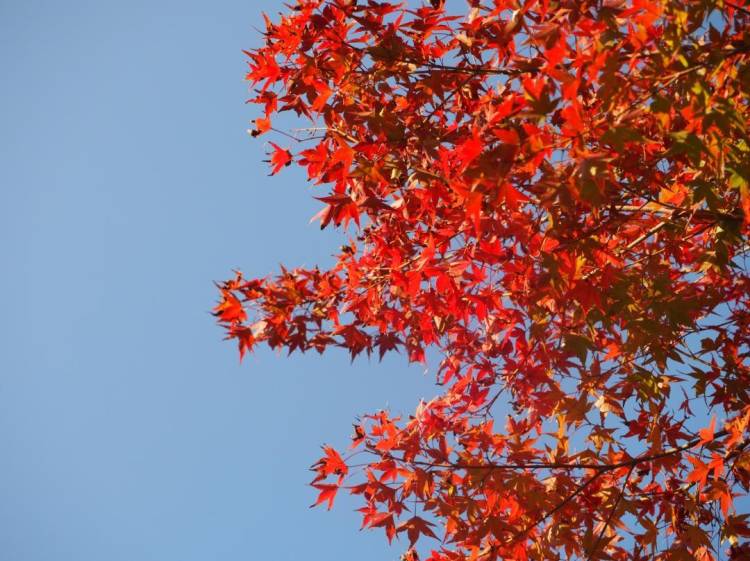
x=128, y=429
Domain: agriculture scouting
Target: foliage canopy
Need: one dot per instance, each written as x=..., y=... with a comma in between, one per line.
x=553, y=196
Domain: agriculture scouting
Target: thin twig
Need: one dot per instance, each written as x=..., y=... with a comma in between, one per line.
x=611, y=515
x=601, y=467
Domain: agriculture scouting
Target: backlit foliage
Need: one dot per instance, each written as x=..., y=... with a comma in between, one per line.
x=552, y=196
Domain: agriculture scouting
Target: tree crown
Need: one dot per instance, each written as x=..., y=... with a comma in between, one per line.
x=554, y=196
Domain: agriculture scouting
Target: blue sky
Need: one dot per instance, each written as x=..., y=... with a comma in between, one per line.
x=128, y=429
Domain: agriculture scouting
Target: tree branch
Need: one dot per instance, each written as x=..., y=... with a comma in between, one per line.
x=601, y=468
x=611, y=515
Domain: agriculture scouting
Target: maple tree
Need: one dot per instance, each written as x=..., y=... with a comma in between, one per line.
x=553, y=197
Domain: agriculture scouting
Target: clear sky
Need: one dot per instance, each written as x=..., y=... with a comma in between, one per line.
x=128, y=429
